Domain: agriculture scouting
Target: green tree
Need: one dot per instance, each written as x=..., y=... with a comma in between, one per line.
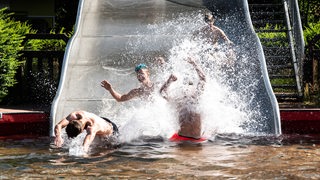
x=310, y=11
x=11, y=36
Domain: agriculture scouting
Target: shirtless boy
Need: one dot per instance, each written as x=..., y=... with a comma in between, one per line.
x=78, y=121
x=145, y=89
x=211, y=33
x=188, y=115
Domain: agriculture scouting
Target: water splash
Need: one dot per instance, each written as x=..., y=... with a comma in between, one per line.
x=42, y=87
x=226, y=104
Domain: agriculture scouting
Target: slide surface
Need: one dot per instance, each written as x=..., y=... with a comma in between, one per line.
x=112, y=36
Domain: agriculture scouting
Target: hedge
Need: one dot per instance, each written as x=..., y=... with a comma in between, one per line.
x=11, y=36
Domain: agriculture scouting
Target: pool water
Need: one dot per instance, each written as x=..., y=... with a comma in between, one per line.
x=227, y=156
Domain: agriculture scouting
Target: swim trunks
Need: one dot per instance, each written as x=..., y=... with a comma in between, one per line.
x=177, y=137
x=114, y=126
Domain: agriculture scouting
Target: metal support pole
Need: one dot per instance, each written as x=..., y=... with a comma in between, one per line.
x=292, y=50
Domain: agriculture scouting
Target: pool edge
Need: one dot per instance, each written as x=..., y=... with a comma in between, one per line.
x=36, y=123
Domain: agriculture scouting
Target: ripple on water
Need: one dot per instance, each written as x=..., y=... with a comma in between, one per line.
x=227, y=156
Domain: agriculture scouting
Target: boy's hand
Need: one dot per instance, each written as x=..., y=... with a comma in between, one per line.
x=106, y=85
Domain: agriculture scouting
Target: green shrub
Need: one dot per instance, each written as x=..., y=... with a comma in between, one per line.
x=11, y=36
x=48, y=44
x=311, y=19
x=311, y=31
x=278, y=37
x=309, y=11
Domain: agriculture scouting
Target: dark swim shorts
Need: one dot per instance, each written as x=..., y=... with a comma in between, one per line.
x=114, y=126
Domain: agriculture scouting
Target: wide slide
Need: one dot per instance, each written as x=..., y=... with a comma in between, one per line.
x=112, y=36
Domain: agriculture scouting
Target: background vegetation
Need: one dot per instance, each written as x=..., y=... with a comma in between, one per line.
x=310, y=14
x=11, y=36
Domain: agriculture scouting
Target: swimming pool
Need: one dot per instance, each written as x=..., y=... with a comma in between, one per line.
x=227, y=156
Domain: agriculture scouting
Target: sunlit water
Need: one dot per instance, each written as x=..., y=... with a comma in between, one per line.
x=226, y=157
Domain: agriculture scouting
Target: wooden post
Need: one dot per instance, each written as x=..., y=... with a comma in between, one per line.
x=315, y=74
x=314, y=57
x=50, y=68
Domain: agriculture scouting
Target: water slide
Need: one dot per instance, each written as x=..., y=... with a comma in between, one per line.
x=112, y=36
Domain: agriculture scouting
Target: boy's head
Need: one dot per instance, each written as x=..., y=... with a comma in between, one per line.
x=74, y=128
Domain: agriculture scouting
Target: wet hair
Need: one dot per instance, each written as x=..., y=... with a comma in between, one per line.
x=208, y=17
x=140, y=66
x=73, y=129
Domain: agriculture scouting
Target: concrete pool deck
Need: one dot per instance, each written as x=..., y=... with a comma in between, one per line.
x=36, y=122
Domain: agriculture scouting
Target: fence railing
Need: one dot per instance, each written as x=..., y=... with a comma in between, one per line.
x=39, y=73
x=297, y=30
x=296, y=40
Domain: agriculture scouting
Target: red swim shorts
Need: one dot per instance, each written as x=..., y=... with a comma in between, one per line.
x=177, y=137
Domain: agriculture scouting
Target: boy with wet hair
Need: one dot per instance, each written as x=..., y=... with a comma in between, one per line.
x=211, y=33
x=73, y=129
x=146, y=88
x=78, y=121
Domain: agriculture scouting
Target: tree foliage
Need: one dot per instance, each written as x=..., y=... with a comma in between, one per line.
x=48, y=44
x=311, y=31
x=310, y=11
x=11, y=36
